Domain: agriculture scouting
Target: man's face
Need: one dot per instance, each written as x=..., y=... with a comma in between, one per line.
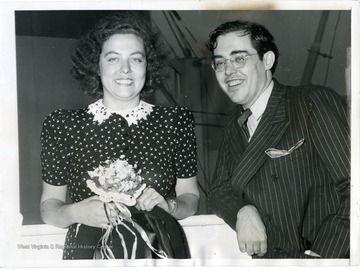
x=242, y=85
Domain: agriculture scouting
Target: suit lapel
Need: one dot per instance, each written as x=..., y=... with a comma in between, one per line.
x=270, y=130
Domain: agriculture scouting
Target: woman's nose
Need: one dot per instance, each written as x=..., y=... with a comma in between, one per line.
x=125, y=67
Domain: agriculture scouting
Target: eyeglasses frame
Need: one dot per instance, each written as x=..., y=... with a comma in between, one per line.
x=244, y=57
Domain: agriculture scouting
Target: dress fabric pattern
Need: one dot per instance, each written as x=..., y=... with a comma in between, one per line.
x=160, y=141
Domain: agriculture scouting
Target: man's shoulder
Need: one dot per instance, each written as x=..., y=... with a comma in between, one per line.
x=309, y=91
x=310, y=96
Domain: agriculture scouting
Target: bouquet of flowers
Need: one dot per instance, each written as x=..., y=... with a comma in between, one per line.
x=118, y=182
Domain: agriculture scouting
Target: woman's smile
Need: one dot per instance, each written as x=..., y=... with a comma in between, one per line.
x=124, y=82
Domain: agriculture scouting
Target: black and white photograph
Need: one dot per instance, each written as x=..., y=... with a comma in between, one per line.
x=184, y=133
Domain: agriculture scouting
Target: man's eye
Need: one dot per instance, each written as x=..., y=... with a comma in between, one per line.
x=219, y=64
x=238, y=59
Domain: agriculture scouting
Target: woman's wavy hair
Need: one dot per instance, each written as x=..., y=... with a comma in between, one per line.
x=260, y=37
x=86, y=55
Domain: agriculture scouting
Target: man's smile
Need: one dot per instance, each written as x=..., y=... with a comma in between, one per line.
x=234, y=82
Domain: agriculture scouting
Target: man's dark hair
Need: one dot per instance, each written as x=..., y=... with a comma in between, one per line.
x=260, y=37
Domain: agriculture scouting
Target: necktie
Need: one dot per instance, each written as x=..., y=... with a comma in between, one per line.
x=243, y=120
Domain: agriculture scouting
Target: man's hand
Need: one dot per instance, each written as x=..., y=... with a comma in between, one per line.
x=251, y=231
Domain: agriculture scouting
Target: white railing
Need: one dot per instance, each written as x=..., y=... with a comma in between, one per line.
x=211, y=241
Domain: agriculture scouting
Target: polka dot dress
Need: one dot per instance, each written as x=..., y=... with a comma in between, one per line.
x=158, y=140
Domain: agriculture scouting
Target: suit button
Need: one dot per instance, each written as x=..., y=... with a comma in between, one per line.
x=125, y=135
x=278, y=250
x=274, y=177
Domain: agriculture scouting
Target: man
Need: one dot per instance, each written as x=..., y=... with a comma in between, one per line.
x=285, y=187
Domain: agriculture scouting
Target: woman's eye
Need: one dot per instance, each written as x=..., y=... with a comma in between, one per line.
x=137, y=60
x=112, y=59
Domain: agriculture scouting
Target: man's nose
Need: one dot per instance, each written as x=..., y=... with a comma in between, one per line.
x=229, y=67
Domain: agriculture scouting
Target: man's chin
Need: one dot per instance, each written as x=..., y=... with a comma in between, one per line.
x=236, y=100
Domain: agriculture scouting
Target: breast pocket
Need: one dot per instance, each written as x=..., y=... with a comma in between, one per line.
x=275, y=153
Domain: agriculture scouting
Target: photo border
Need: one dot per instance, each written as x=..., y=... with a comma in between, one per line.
x=9, y=174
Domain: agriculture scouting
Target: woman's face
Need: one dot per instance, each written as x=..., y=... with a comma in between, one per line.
x=122, y=67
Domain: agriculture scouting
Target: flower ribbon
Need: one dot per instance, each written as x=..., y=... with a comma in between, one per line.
x=125, y=214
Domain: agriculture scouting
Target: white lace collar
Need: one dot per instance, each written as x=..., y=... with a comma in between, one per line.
x=132, y=116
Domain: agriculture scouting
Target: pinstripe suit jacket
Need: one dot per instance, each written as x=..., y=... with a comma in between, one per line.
x=304, y=197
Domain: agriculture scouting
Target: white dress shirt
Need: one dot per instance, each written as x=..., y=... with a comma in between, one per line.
x=258, y=109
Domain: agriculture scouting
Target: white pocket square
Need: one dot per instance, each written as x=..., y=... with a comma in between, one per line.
x=275, y=153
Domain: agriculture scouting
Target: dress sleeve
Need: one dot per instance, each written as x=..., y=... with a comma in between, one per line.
x=54, y=149
x=186, y=149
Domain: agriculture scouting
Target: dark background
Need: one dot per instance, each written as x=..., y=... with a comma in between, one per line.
x=44, y=40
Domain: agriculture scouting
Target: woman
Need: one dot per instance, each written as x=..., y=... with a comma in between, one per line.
x=119, y=61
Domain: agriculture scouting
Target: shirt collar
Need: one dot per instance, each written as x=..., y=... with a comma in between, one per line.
x=259, y=106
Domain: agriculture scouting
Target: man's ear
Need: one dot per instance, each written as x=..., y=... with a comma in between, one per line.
x=269, y=60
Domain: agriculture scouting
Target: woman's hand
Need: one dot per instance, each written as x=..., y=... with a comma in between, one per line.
x=91, y=212
x=151, y=198
x=55, y=211
x=187, y=199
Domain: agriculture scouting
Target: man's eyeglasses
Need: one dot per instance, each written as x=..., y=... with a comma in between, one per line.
x=238, y=61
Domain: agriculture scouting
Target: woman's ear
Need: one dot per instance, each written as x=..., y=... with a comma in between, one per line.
x=269, y=59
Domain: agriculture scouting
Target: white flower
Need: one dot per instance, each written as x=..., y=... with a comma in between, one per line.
x=116, y=181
